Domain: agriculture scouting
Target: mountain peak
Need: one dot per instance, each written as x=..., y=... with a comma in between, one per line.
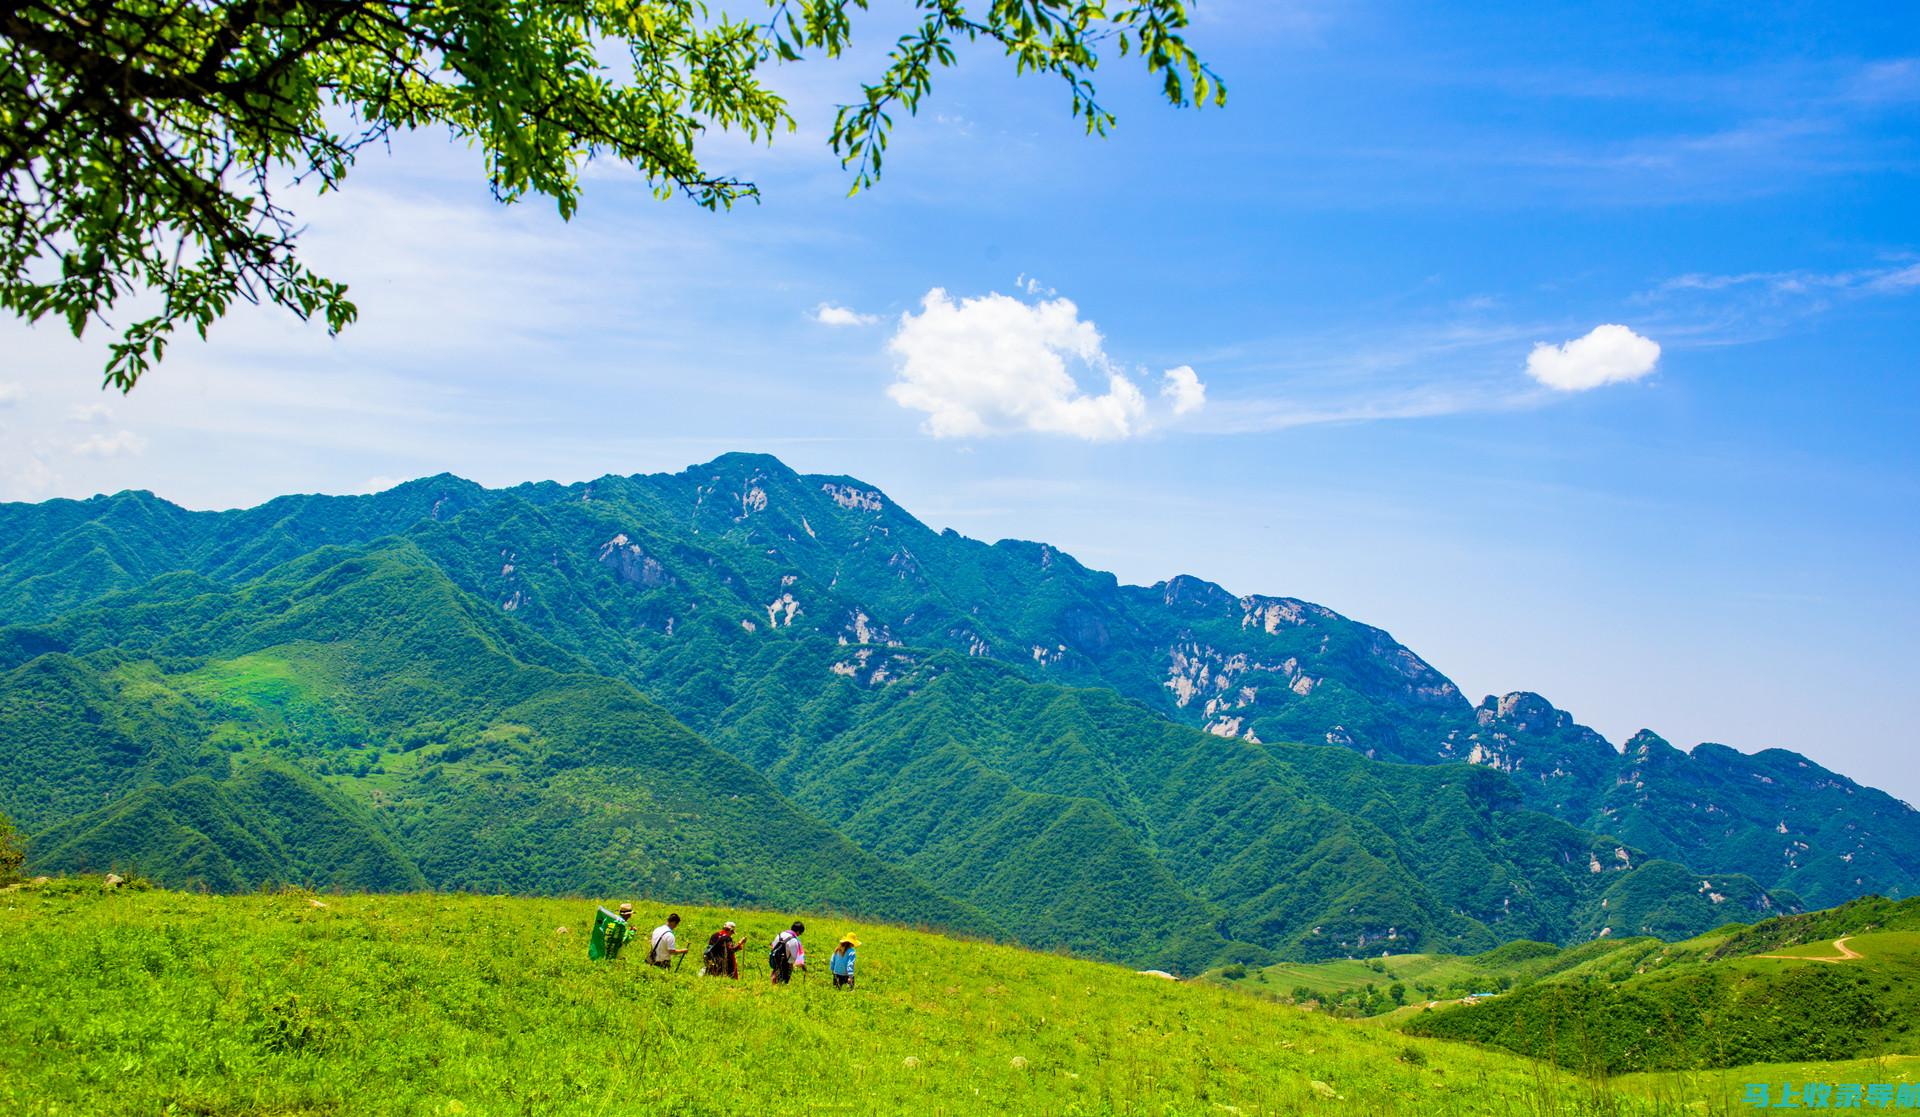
x=1184, y=591
x=1647, y=745
x=442, y=479
x=741, y=461
x=1523, y=710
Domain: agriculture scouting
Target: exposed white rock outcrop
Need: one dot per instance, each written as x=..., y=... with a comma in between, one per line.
x=781, y=611
x=852, y=498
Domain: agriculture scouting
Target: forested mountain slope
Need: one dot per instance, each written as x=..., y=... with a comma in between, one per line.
x=493, y=761
x=1071, y=760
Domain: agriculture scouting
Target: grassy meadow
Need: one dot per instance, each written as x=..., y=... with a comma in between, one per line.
x=154, y=1002
x=1720, y=1091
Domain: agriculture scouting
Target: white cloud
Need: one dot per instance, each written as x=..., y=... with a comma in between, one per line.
x=10, y=394
x=28, y=478
x=1609, y=354
x=378, y=485
x=997, y=365
x=1739, y=308
x=1182, y=388
x=88, y=413
x=827, y=314
x=113, y=445
x=1901, y=279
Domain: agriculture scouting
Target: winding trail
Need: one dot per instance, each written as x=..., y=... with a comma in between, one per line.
x=1842, y=953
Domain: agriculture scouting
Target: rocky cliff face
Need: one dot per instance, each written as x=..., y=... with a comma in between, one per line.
x=1774, y=815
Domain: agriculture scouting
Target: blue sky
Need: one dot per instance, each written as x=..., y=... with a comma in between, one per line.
x=1356, y=258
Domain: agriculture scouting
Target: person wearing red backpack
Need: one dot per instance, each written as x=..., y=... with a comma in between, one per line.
x=722, y=956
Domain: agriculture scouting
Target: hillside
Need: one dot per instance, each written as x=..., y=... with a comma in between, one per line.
x=462, y=1004
x=740, y=683
x=449, y=741
x=1776, y=990
x=1836, y=984
x=972, y=795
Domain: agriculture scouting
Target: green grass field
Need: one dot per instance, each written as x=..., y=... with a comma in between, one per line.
x=1806, y=988
x=169, y=1003
x=1716, y=1092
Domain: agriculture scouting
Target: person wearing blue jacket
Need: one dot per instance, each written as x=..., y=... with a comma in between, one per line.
x=842, y=962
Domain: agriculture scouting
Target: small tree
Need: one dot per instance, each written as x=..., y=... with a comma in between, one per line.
x=13, y=852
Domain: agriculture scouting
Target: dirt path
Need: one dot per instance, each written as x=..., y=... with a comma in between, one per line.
x=1842, y=953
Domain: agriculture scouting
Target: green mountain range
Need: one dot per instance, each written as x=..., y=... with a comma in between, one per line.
x=742, y=684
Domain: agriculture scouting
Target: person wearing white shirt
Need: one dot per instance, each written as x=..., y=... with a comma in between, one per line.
x=661, y=947
x=787, y=954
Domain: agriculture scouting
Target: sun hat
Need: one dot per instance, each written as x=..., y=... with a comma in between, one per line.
x=727, y=926
x=849, y=939
x=626, y=909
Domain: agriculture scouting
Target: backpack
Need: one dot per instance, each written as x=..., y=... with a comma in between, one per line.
x=716, y=955
x=777, y=956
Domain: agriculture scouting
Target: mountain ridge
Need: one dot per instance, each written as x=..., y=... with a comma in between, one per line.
x=804, y=623
x=1178, y=586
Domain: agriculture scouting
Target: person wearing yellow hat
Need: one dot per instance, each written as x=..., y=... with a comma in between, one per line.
x=842, y=961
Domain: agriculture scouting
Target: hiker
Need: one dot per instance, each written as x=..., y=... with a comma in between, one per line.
x=629, y=931
x=661, y=947
x=842, y=962
x=787, y=953
x=722, y=956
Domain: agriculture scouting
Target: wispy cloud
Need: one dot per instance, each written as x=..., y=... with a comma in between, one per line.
x=1727, y=135
x=121, y=443
x=1889, y=279
x=1371, y=373
x=1719, y=308
x=1432, y=401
